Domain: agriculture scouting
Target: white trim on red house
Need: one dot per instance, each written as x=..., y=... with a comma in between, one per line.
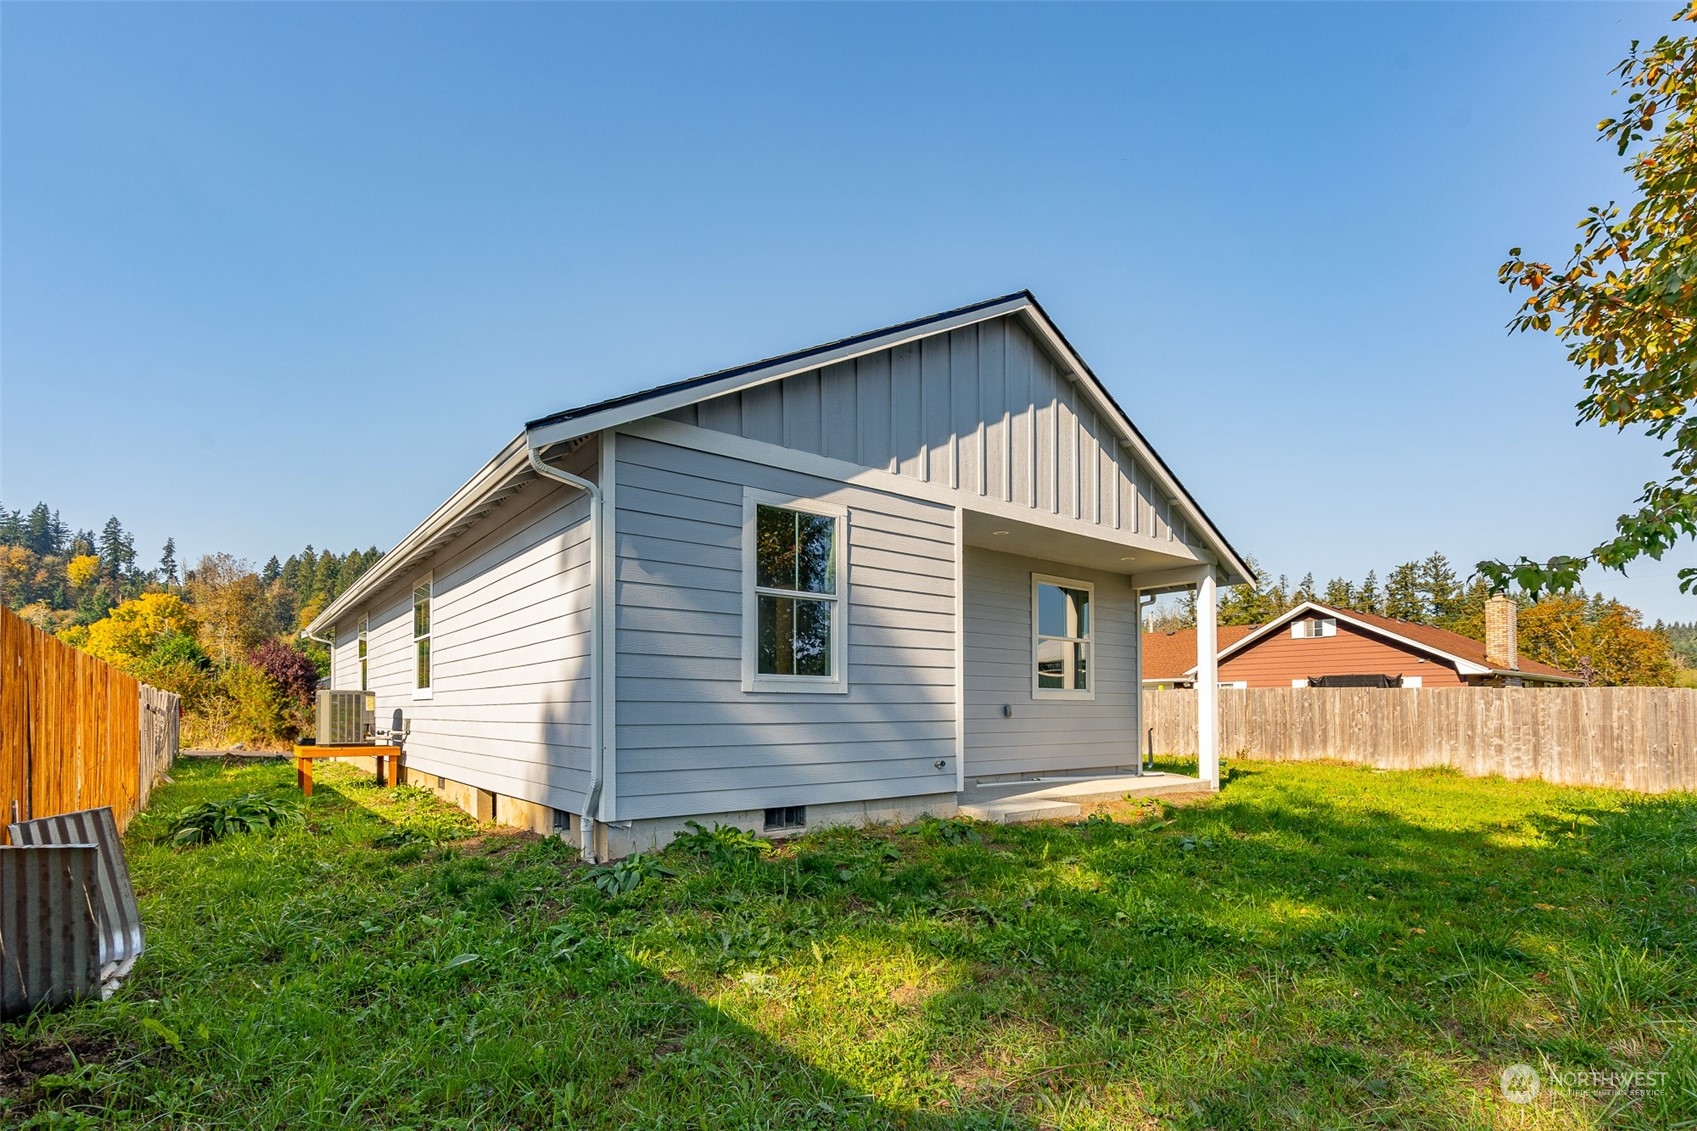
x=1309, y=608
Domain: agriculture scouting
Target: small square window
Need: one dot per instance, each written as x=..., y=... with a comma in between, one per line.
x=786, y=818
x=1314, y=628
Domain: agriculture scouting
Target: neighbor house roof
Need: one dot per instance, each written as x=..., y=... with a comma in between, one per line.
x=510, y=470
x=1172, y=655
x=1466, y=654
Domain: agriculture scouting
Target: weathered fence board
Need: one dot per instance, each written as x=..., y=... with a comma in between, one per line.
x=1642, y=738
x=76, y=733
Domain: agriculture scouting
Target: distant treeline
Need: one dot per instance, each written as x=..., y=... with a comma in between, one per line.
x=57, y=576
x=1590, y=635
x=220, y=634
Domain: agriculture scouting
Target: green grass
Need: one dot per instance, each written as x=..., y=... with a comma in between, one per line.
x=1317, y=946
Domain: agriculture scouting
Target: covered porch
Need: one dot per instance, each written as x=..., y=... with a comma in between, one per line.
x=1051, y=667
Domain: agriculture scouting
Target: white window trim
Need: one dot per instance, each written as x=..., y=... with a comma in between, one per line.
x=362, y=643
x=837, y=683
x=1089, y=692
x=429, y=692
x=330, y=635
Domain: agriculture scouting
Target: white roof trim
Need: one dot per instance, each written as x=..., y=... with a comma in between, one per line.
x=1047, y=333
x=512, y=461
x=507, y=466
x=545, y=434
x=1134, y=441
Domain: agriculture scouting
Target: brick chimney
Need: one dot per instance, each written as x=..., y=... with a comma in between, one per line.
x=1502, y=632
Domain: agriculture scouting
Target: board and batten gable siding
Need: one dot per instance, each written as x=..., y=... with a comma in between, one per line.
x=509, y=709
x=1045, y=735
x=690, y=739
x=1277, y=658
x=984, y=410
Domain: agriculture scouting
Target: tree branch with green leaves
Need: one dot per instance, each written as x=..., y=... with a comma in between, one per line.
x=1625, y=304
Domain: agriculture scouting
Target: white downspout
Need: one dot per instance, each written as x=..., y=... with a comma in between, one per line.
x=597, y=728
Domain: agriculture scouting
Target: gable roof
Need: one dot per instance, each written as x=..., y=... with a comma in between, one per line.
x=1464, y=653
x=509, y=470
x=573, y=423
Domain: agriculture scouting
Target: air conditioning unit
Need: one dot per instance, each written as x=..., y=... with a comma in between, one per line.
x=347, y=718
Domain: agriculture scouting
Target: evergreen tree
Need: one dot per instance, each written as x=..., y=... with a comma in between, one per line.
x=1367, y=599
x=1340, y=594
x=272, y=571
x=39, y=534
x=13, y=531
x=324, y=576
x=1304, y=590
x=168, y=564
x=1441, y=591
x=1402, y=594
x=1248, y=603
x=290, y=576
x=117, y=550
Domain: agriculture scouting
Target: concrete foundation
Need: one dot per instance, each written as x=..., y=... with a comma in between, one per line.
x=625, y=837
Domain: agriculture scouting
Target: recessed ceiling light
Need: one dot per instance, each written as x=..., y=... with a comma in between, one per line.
x=998, y=531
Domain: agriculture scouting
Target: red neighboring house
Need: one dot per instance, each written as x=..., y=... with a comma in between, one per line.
x=1316, y=645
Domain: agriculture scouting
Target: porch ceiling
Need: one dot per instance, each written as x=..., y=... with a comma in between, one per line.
x=1033, y=540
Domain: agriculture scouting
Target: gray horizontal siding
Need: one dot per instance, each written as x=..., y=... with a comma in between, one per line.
x=510, y=707
x=1044, y=734
x=690, y=740
x=984, y=410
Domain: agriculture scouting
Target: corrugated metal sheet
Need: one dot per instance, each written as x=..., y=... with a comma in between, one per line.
x=49, y=926
x=118, y=917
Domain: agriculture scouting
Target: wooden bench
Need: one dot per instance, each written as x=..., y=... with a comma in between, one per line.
x=388, y=761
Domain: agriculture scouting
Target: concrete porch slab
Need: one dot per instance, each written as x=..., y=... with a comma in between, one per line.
x=1061, y=797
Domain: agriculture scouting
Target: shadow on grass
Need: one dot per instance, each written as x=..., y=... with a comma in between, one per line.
x=1314, y=946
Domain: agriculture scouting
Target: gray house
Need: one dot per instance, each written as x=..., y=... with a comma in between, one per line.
x=845, y=584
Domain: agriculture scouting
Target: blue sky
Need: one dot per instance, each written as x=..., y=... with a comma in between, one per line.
x=275, y=274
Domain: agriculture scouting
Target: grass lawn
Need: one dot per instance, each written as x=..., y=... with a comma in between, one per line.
x=1316, y=946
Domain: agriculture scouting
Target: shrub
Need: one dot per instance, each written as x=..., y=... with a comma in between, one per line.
x=290, y=669
x=242, y=704
x=214, y=820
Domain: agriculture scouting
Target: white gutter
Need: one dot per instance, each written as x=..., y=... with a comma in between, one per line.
x=597, y=634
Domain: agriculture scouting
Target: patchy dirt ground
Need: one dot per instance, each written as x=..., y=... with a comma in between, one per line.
x=32, y=1070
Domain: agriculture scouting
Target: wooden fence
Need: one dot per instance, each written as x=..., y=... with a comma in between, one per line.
x=75, y=733
x=1642, y=738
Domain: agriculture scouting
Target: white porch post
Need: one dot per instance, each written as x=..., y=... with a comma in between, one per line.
x=1207, y=681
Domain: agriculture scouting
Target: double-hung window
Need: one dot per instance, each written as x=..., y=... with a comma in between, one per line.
x=1062, y=638
x=421, y=639
x=794, y=635
x=364, y=630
